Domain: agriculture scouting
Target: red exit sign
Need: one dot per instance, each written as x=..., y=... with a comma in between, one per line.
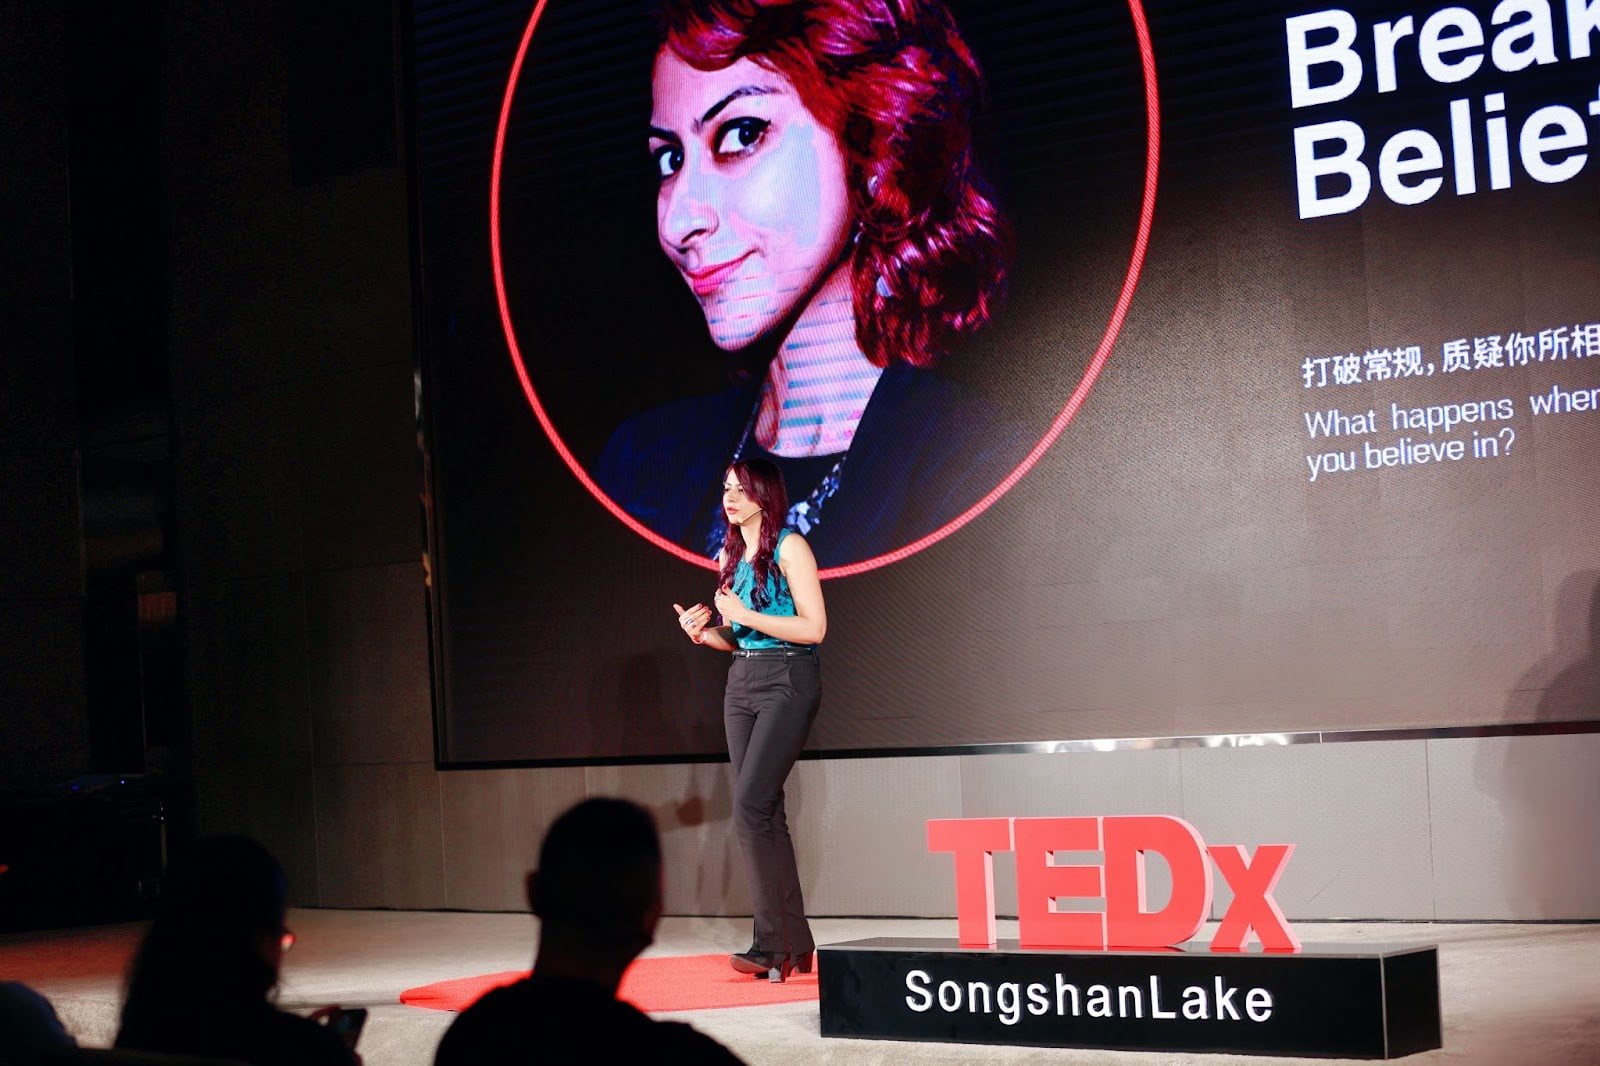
x=1124, y=920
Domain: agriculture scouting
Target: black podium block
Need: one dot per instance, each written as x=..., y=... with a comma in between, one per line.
x=1329, y=1000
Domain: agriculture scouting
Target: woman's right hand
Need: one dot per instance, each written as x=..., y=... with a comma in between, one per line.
x=693, y=620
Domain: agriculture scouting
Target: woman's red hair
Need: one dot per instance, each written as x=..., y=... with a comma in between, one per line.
x=762, y=481
x=898, y=87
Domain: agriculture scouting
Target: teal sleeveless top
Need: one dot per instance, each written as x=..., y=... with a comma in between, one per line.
x=779, y=601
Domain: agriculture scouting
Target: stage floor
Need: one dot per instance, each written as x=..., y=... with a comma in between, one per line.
x=1511, y=993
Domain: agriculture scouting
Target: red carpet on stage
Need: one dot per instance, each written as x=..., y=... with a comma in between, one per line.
x=679, y=982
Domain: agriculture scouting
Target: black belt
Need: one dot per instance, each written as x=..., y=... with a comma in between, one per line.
x=775, y=653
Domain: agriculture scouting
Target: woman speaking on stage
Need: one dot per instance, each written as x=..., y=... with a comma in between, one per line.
x=770, y=600
x=819, y=197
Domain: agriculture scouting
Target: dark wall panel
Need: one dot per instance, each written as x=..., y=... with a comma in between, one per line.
x=41, y=589
x=295, y=454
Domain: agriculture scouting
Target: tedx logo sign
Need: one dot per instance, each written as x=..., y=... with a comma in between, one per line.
x=1124, y=920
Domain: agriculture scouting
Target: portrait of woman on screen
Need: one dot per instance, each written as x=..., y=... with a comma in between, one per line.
x=820, y=199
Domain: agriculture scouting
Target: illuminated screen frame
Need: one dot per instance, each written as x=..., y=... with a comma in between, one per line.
x=1147, y=225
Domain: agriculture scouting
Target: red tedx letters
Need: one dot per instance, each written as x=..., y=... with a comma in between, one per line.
x=1119, y=880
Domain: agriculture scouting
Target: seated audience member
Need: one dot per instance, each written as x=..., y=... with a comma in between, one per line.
x=203, y=979
x=597, y=895
x=28, y=1026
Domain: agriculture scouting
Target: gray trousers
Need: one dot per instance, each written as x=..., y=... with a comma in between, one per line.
x=767, y=712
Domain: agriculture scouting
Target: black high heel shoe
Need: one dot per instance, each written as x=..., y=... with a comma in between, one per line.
x=775, y=966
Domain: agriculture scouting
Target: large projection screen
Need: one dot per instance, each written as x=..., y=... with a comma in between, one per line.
x=1289, y=418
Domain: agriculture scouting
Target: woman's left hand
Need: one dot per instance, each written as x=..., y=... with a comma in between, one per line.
x=728, y=605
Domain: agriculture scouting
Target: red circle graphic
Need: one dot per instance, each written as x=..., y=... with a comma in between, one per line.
x=1102, y=351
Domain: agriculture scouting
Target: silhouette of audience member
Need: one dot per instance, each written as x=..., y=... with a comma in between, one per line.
x=28, y=1026
x=597, y=895
x=203, y=979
